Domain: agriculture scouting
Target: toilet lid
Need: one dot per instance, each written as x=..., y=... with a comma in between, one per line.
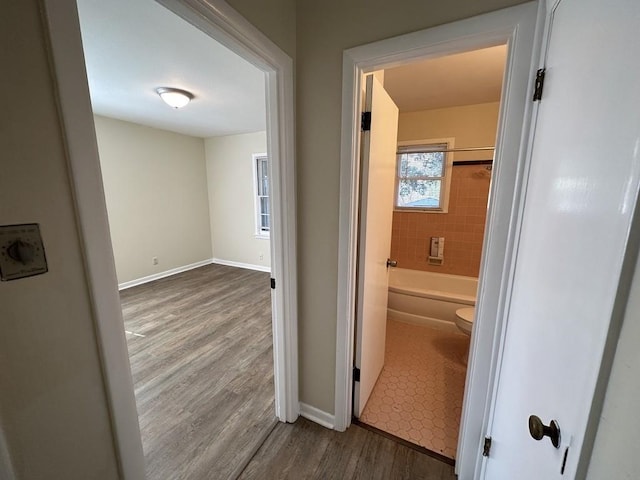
x=466, y=314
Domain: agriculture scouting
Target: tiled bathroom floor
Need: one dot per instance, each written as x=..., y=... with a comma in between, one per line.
x=418, y=396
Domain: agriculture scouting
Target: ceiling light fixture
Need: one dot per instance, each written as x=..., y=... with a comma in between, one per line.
x=174, y=97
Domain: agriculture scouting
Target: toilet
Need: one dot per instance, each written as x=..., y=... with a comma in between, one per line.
x=464, y=322
x=464, y=319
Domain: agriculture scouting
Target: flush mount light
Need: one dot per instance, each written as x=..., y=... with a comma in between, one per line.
x=174, y=97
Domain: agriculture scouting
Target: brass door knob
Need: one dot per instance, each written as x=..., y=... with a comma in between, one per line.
x=539, y=430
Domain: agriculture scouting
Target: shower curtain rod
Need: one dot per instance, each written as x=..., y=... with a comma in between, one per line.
x=451, y=150
x=466, y=163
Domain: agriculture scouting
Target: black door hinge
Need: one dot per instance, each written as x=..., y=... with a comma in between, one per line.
x=273, y=283
x=487, y=447
x=537, y=91
x=365, y=121
x=356, y=374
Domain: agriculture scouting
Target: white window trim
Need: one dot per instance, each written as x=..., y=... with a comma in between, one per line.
x=256, y=202
x=446, y=181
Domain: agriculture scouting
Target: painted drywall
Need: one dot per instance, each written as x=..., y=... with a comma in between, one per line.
x=6, y=465
x=156, y=191
x=325, y=30
x=230, y=173
x=615, y=452
x=53, y=409
x=275, y=18
x=462, y=226
x=471, y=125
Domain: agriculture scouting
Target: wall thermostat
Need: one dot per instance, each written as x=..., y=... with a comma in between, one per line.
x=21, y=251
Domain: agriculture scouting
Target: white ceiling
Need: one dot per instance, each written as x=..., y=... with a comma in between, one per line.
x=462, y=79
x=133, y=47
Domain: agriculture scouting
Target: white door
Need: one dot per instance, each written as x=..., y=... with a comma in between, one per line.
x=379, y=146
x=580, y=198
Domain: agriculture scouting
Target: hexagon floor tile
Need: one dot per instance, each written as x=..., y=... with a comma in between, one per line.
x=418, y=396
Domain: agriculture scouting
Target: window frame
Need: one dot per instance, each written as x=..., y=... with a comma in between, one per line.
x=445, y=179
x=257, y=209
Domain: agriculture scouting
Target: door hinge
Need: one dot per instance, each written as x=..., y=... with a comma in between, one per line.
x=487, y=447
x=356, y=374
x=273, y=283
x=537, y=91
x=365, y=121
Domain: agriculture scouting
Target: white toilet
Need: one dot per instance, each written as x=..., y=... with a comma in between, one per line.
x=464, y=319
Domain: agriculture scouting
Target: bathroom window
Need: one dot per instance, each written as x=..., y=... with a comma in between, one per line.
x=261, y=182
x=422, y=177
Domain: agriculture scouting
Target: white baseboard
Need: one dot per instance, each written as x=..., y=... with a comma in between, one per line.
x=318, y=416
x=166, y=273
x=249, y=266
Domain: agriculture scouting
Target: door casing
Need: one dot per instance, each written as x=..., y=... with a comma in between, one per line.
x=519, y=28
x=218, y=20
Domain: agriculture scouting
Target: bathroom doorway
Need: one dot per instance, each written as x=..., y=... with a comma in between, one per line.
x=440, y=181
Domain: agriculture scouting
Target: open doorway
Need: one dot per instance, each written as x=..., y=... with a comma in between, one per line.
x=514, y=27
x=222, y=23
x=197, y=319
x=448, y=119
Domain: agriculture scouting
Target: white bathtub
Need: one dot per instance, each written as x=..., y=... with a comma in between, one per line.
x=427, y=298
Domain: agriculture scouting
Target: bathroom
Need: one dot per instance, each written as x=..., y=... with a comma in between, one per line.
x=446, y=142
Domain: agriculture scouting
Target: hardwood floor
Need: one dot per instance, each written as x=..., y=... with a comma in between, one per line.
x=200, y=348
x=305, y=450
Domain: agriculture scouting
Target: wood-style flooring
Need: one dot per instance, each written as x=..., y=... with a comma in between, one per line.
x=305, y=450
x=201, y=355
x=200, y=347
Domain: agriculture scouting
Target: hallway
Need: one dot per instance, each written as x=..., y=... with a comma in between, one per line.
x=305, y=450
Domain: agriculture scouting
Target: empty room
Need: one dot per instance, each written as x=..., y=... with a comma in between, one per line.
x=187, y=193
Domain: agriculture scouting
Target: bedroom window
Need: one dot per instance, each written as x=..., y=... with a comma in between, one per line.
x=261, y=182
x=422, y=177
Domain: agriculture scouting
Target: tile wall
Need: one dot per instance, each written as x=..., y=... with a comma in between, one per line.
x=462, y=227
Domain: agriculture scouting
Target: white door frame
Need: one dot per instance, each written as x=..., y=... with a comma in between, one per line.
x=217, y=19
x=519, y=27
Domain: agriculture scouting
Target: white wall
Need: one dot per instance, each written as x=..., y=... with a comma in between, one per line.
x=156, y=191
x=231, y=198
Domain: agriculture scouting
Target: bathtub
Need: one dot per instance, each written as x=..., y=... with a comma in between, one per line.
x=427, y=298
